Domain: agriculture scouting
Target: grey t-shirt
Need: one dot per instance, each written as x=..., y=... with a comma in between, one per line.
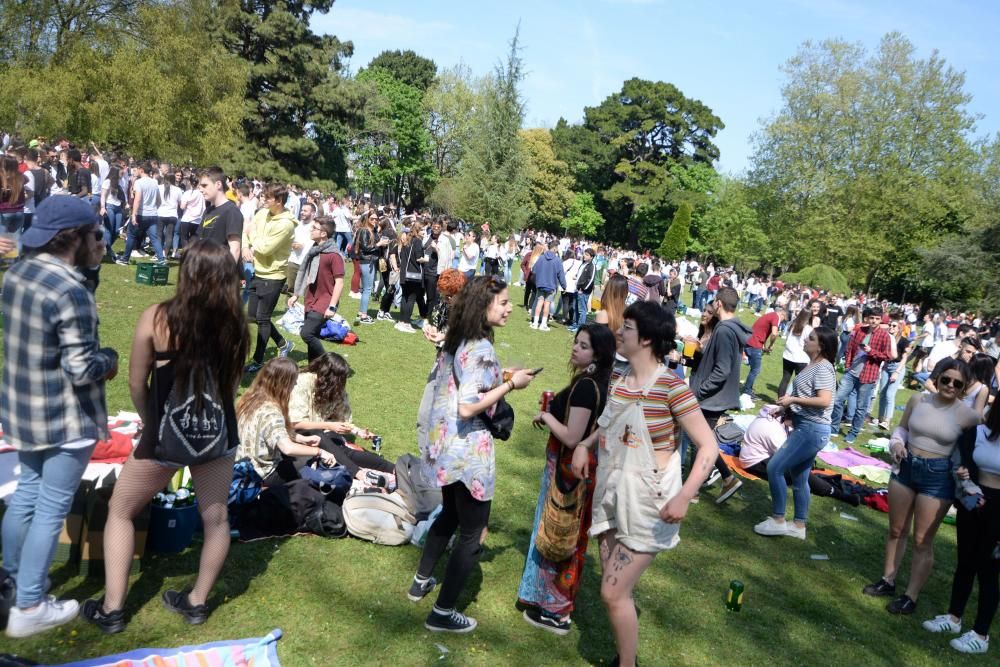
x=808, y=383
x=149, y=191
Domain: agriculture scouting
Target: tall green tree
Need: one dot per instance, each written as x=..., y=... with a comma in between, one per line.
x=492, y=180
x=410, y=68
x=39, y=30
x=583, y=219
x=729, y=229
x=392, y=149
x=628, y=146
x=674, y=245
x=549, y=181
x=299, y=108
x=868, y=159
x=450, y=105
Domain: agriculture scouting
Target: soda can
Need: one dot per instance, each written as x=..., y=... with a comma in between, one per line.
x=546, y=400
x=734, y=598
x=376, y=443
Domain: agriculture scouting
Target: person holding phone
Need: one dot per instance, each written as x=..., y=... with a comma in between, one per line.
x=978, y=532
x=456, y=446
x=922, y=488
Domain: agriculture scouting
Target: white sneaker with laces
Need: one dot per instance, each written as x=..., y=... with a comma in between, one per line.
x=970, y=642
x=544, y=327
x=942, y=623
x=791, y=530
x=533, y=325
x=771, y=527
x=713, y=477
x=51, y=613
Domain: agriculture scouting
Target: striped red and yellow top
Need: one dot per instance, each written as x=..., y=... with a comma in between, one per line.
x=668, y=399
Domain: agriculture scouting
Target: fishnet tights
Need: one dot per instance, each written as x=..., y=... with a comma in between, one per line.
x=140, y=480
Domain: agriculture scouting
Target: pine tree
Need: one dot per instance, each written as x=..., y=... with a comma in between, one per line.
x=676, y=239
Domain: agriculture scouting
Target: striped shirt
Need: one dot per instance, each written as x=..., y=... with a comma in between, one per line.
x=808, y=383
x=668, y=399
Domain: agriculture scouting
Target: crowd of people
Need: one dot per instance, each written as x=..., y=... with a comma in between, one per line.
x=640, y=394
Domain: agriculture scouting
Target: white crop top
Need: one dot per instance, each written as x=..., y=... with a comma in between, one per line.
x=987, y=452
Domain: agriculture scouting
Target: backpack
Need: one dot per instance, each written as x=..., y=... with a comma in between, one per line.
x=421, y=494
x=729, y=436
x=382, y=518
x=187, y=437
x=246, y=484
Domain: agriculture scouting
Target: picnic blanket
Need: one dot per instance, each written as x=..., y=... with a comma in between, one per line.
x=850, y=457
x=734, y=464
x=257, y=651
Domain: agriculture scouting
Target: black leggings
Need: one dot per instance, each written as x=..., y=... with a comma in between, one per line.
x=430, y=292
x=978, y=532
x=413, y=292
x=529, y=292
x=459, y=510
x=264, y=295
x=788, y=369
x=287, y=469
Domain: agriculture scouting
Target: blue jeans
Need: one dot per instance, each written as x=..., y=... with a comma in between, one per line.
x=343, y=240
x=851, y=387
x=795, y=458
x=367, y=280
x=582, y=308
x=145, y=225
x=35, y=514
x=887, y=392
x=754, y=355
x=842, y=350
x=507, y=271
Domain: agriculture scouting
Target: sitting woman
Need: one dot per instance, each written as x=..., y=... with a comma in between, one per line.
x=548, y=589
x=266, y=437
x=319, y=407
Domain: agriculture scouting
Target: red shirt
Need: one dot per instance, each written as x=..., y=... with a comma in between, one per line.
x=318, y=295
x=881, y=350
x=762, y=329
x=713, y=283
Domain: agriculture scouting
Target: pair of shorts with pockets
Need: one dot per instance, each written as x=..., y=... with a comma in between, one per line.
x=928, y=477
x=547, y=295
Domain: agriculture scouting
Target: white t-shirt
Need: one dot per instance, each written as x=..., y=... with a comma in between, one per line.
x=29, y=184
x=942, y=349
x=466, y=264
x=149, y=192
x=112, y=196
x=794, y=346
x=446, y=252
x=303, y=231
x=342, y=220
x=248, y=208
x=169, y=201
x=571, y=267
x=194, y=206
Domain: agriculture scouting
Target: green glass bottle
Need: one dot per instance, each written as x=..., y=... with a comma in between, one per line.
x=734, y=599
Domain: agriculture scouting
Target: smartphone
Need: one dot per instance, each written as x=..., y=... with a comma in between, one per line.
x=538, y=370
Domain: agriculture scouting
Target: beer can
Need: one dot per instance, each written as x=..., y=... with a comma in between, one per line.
x=546, y=400
x=376, y=443
x=734, y=598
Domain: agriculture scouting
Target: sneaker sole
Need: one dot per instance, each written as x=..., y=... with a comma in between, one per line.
x=180, y=612
x=562, y=632
x=457, y=631
x=417, y=598
x=726, y=495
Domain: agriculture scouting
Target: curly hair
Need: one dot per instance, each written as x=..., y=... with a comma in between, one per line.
x=450, y=282
x=467, y=320
x=331, y=371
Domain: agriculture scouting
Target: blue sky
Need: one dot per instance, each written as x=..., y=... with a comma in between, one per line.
x=727, y=54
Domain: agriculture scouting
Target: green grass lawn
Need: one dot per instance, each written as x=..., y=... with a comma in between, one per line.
x=343, y=602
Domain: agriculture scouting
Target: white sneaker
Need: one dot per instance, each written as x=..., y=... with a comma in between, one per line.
x=544, y=327
x=533, y=325
x=791, y=530
x=970, y=642
x=942, y=623
x=51, y=613
x=355, y=295
x=771, y=527
x=405, y=328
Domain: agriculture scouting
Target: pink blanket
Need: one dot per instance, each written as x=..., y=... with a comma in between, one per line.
x=850, y=457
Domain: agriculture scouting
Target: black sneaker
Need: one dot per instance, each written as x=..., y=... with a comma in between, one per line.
x=110, y=622
x=539, y=619
x=180, y=603
x=880, y=588
x=449, y=621
x=252, y=367
x=902, y=605
x=419, y=589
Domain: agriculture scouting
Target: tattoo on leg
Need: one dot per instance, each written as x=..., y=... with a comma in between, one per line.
x=623, y=558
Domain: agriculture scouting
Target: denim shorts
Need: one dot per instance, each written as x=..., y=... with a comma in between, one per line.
x=547, y=295
x=929, y=477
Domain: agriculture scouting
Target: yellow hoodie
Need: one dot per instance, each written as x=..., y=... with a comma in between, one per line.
x=270, y=237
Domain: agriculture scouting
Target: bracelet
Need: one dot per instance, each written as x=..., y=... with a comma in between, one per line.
x=511, y=383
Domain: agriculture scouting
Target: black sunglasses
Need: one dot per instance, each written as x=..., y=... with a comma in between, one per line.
x=946, y=381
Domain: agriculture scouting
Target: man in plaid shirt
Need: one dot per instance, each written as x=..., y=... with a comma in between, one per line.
x=51, y=397
x=868, y=347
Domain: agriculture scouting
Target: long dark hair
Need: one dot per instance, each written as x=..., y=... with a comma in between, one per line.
x=273, y=384
x=168, y=180
x=467, y=319
x=828, y=341
x=207, y=327
x=602, y=342
x=331, y=371
x=11, y=180
x=801, y=320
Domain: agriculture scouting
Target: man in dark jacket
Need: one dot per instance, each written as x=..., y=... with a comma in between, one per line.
x=716, y=382
x=584, y=288
x=549, y=274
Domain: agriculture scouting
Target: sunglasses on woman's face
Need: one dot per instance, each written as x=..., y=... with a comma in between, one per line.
x=948, y=381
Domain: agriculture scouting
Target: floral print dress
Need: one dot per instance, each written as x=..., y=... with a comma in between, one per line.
x=454, y=449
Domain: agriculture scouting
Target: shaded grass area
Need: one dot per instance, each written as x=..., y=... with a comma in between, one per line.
x=343, y=602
